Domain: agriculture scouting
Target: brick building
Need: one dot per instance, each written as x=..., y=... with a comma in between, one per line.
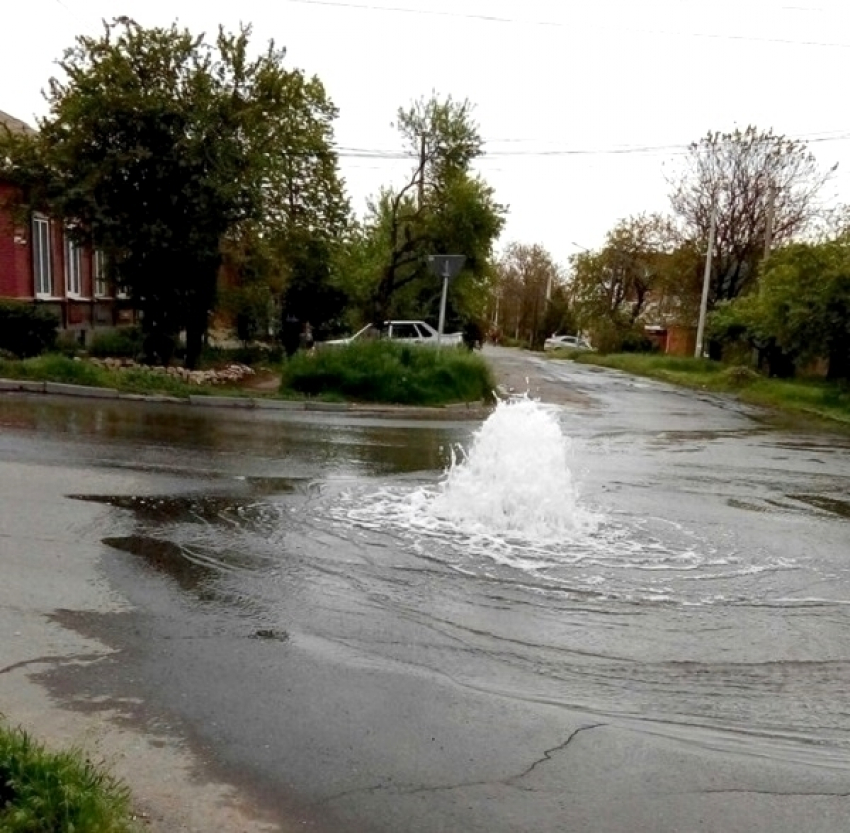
x=40, y=262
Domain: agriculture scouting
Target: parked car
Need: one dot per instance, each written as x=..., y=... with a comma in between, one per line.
x=564, y=342
x=406, y=332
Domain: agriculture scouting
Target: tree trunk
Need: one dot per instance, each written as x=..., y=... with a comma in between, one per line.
x=839, y=361
x=196, y=327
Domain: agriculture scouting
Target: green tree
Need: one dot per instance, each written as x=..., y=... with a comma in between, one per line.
x=802, y=306
x=760, y=184
x=442, y=208
x=160, y=145
x=529, y=295
x=634, y=276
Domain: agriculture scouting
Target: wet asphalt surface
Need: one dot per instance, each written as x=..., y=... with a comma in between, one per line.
x=686, y=669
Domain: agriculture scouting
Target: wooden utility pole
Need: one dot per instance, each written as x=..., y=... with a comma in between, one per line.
x=422, y=150
x=706, y=280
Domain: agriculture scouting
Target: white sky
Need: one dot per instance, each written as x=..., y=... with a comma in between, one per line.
x=546, y=77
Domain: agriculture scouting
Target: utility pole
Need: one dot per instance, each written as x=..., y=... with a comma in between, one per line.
x=771, y=217
x=422, y=150
x=706, y=280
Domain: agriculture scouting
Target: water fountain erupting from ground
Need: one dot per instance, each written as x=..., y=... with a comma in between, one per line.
x=515, y=479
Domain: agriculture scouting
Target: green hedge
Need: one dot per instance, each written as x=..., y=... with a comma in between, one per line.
x=383, y=371
x=121, y=343
x=27, y=329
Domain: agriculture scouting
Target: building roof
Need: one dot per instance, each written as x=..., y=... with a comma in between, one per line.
x=15, y=125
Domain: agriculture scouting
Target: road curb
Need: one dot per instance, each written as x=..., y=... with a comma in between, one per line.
x=80, y=390
x=221, y=401
x=471, y=410
x=19, y=385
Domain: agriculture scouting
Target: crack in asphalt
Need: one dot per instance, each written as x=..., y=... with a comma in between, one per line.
x=509, y=781
x=548, y=753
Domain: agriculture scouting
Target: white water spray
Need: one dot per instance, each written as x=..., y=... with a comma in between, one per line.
x=515, y=480
x=510, y=497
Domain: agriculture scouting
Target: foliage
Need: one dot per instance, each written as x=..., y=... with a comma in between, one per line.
x=122, y=342
x=383, y=371
x=442, y=208
x=26, y=329
x=57, y=791
x=637, y=274
x=311, y=293
x=529, y=298
x=800, y=311
x=160, y=145
x=621, y=337
x=809, y=397
x=138, y=380
x=803, y=303
x=759, y=182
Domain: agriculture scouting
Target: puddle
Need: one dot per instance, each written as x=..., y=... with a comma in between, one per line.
x=833, y=505
x=165, y=557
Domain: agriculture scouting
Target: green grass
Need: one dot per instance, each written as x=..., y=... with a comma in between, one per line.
x=385, y=372
x=57, y=792
x=810, y=397
x=140, y=380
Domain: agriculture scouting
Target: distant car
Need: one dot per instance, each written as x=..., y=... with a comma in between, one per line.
x=406, y=332
x=562, y=342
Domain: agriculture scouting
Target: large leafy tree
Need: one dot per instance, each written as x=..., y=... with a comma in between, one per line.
x=529, y=301
x=764, y=189
x=630, y=277
x=444, y=207
x=801, y=310
x=159, y=145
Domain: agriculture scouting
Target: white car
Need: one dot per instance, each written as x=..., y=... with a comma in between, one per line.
x=561, y=342
x=406, y=332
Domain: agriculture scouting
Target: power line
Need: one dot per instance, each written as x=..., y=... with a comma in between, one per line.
x=673, y=149
x=339, y=4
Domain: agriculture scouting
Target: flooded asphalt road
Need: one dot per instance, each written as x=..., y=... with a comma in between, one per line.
x=679, y=662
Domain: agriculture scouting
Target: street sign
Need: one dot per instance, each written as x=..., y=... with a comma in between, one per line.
x=446, y=266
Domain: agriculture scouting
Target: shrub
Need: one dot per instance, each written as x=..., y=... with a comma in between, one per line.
x=383, y=371
x=27, y=329
x=64, y=791
x=739, y=376
x=121, y=343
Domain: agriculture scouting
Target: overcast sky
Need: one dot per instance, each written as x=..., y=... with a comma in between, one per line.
x=585, y=105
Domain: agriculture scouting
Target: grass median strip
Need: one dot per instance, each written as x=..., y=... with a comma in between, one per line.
x=808, y=396
x=57, y=792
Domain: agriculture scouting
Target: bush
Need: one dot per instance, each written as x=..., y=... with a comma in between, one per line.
x=383, y=371
x=739, y=376
x=45, y=791
x=27, y=329
x=121, y=343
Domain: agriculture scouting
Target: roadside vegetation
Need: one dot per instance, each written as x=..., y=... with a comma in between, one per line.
x=808, y=396
x=368, y=372
x=383, y=371
x=57, y=792
x=54, y=367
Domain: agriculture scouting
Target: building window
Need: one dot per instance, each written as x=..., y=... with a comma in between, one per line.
x=73, y=268
x=99, y=273
x=41, y=257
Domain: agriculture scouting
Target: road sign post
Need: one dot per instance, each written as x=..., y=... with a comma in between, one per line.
x=445, y=267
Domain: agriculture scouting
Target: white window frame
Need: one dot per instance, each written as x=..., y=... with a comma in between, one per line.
x=73, y=268
x=98, y=266
x=42, y=256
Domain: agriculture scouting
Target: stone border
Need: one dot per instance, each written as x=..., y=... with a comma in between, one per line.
x=472, y=410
